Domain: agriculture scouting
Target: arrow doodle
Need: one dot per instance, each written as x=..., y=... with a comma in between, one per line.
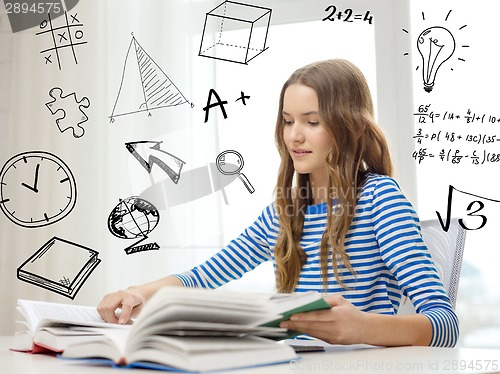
x=169, y=163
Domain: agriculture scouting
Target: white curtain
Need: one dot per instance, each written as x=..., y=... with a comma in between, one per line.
x=103, y=168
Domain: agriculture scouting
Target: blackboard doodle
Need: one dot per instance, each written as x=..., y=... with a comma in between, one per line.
x=436, y=45
x=243, y=46
x=144, y=85
x=475, y=206
x=78, y=263
x=134, y=218
x=347, y=15
x=69, y=110
x=169, y=163
x=68, y=35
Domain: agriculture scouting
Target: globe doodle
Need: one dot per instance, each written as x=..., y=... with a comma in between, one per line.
x=134, y=218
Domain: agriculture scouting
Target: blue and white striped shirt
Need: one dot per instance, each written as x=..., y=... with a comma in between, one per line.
x=385, y=247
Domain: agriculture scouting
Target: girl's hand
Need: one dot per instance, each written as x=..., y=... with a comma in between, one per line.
x=343, y=323
x=130, y=301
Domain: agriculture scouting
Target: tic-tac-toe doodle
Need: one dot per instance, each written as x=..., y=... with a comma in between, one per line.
x=64, y=38
x=69, y=111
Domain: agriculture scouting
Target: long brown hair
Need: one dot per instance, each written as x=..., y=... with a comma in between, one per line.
x=359, y=147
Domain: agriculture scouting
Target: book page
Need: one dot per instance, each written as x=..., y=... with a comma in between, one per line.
x=117, y=337
x=227, y=299
x=110, y=345
x=186, y=312
x=38, y=313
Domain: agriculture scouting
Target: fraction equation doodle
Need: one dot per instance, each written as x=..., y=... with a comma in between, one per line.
x=69, y=35
x=347, y=15
x=456, y=156
x=453, y=136
x=425, y=115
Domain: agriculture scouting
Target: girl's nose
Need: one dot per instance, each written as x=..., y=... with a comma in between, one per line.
x=297, y=134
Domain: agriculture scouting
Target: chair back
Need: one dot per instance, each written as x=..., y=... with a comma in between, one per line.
x=446, y=249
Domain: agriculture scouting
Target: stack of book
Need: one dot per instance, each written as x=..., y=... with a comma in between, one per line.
x=178, y=329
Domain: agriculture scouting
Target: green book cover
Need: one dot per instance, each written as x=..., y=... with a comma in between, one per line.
x=315, y=305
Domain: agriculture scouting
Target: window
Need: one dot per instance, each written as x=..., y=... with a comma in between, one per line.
x=463, y=82
x=249, y=128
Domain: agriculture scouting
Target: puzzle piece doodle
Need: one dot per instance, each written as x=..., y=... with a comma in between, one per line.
x=71, y=114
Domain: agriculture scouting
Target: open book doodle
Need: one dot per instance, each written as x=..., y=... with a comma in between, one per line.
x=60, y=266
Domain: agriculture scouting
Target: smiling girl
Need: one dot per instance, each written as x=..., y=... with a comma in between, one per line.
x=339, y=225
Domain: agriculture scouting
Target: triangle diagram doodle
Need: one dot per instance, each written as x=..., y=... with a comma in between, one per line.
x=144, y=85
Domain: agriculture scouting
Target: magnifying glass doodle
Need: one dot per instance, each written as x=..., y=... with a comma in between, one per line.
x=230, y=163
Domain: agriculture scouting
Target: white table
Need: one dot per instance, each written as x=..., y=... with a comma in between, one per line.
x=357, y=359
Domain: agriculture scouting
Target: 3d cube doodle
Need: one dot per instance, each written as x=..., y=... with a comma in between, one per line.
x=235, y=32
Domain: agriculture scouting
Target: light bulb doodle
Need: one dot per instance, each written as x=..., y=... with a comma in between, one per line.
x=436, y=45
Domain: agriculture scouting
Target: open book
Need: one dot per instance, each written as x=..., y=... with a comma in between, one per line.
x=50, y=327
x=198, y=330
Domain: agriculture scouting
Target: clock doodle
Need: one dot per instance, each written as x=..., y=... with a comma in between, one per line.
x=36, y=189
